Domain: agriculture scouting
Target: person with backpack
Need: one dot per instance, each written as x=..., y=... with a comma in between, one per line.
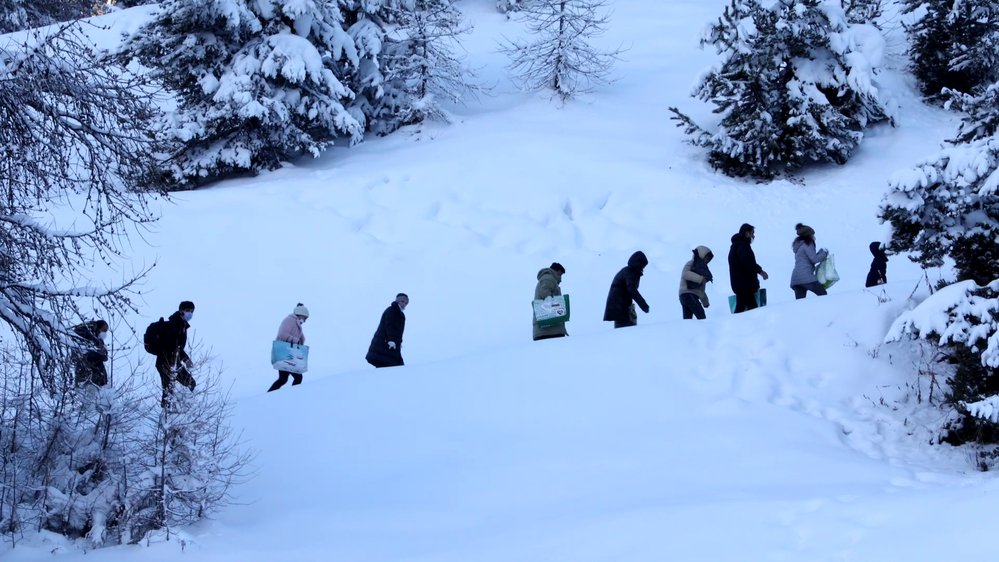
x=693, y=281
x=623, y=293
x=743, y=269
x=803, y=277
x=290, y=331
x=878, y=275
x=386, y=345
x=549, y=280
x=166, y=339
x=91, y=353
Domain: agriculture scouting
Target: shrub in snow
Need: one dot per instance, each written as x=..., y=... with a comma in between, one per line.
x=558, y=55
x=257, y=82
x=954, y=44
x=948, y=207
x=797, y=85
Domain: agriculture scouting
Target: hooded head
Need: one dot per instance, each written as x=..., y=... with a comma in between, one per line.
x=877, y=249
x=638, y=261
x=704, y=253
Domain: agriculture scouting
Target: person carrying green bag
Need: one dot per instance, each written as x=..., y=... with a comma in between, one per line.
x=806, y=259
x=549, y=280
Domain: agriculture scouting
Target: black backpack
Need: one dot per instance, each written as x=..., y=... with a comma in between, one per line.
x=155, y=338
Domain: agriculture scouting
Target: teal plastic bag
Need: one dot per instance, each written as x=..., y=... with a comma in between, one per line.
x=761, y=299
x=290, y=357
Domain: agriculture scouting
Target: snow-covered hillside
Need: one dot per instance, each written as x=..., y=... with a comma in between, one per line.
x=787, y=433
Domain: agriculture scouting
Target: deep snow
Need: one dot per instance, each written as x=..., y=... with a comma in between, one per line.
x=787, y=433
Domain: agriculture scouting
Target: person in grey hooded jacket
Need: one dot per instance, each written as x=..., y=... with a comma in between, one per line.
x=693, y=279
x=805, y=259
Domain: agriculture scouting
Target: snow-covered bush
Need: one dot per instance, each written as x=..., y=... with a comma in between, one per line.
x=948, y=208
x=798, y=84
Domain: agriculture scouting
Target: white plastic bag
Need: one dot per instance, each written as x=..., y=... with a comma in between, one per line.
x=826, y=273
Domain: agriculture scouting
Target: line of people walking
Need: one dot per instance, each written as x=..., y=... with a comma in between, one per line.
x=745, y=274
x=166, y=339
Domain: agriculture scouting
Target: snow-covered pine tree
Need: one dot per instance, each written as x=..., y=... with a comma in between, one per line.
x=954, y=45
x=371, y=24
x=16, y=15
x=558, y=54
x=948, y=207
x=422, y=70
x=796, y=86
x=258, y=82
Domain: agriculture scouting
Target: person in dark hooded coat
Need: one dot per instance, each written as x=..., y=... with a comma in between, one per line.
x=878, y=275
x=91, y=354
x=624, y=293
x=386, y=345
x=743, y=269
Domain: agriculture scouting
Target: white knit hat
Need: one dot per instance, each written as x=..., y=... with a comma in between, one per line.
x=300, y=310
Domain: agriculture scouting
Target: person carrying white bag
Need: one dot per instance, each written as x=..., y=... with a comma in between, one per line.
x=290, y=332
x=806, y=259
x=549, y=280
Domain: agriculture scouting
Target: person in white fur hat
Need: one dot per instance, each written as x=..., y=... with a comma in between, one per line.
x=290, y=331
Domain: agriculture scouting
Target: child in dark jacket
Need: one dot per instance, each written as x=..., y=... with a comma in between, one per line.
x=878, y=275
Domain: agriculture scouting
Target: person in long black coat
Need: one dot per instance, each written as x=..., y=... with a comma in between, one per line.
x=624, y=293
x=743, y=269
x=91, y=354
x=386, y=345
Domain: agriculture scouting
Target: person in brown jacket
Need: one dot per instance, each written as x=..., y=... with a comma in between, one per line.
x=693, y=279
x=549, y=279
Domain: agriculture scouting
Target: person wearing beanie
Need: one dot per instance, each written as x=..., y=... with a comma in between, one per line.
x=805, y=259
x=694, y=279
x=743, y=269
x=623, y=293
x=172, y=361
x=290, y=331
x=878, y=275
x=386, y=345
x=549, y=280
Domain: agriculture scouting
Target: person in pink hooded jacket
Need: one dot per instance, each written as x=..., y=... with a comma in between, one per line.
x=290, y=331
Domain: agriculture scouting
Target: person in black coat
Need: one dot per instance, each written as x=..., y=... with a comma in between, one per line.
x=624, y=293
x=743, y=269
x=91, y=353
x=878, y=275
x=172, y=362
x=386, y=345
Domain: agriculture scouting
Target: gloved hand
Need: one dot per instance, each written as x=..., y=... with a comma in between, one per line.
x=645, y=309
x=708, y=278
x=391, y=345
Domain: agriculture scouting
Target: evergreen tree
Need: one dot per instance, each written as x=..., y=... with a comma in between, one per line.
x=954, y=45
x=257, y=82
x=559, y=56
x=16, y=15
x=372, y=25
x=797, y=85
x=421, y=68
x=948, y=207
